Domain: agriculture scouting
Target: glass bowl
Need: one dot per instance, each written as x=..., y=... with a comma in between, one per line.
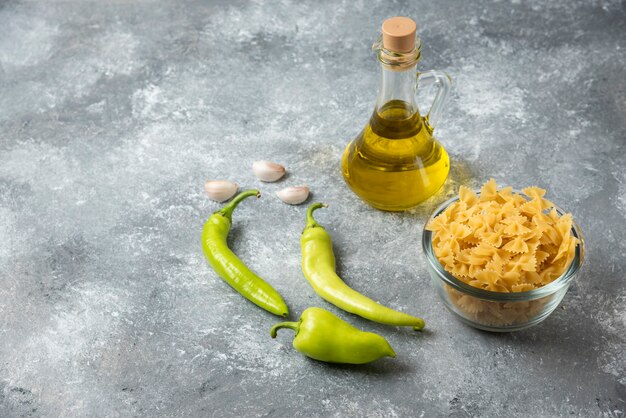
x=498, y=311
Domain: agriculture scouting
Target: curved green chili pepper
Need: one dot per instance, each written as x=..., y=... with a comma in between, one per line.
x=230, y=267
x=323, y=336
x=318, y=266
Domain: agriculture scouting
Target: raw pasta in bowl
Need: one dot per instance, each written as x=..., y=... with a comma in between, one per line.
x=502, y=260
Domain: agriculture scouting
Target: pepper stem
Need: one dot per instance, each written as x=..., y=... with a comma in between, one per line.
x=310, y=221
x=291, y=325
x=227, y=211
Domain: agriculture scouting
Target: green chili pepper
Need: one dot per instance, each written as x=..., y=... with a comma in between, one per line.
x=322, y=336
x=230, y=267
x=318, y=266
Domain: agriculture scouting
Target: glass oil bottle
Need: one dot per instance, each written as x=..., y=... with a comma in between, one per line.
x=395, y=162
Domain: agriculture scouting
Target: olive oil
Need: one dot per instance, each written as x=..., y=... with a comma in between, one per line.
x=395, y=163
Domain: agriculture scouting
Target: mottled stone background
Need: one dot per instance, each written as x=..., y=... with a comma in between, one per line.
x=113, y=114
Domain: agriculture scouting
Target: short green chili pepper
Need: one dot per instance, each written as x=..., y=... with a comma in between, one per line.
x=318, y=266
x=325, y=337
x=230, y=267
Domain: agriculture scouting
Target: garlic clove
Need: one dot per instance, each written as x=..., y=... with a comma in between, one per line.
x=293, y=195
x=220, y=190
x=268, y=171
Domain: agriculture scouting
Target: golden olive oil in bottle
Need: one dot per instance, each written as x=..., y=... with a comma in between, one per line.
x=395, y=163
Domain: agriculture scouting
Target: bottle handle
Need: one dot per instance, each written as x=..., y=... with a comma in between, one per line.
x=443, y=82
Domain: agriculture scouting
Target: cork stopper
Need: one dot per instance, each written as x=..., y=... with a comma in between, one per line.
x=399, y=34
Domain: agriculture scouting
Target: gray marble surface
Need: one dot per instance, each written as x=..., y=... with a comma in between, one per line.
x=113, y=114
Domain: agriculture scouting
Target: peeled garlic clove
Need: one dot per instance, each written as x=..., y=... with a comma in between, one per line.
x=267, y=170
x=293, y=195
x=220, y=190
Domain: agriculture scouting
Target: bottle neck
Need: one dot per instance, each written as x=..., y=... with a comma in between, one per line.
x=397, y=88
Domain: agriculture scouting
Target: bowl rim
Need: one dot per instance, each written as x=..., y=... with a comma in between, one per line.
x=558, y=283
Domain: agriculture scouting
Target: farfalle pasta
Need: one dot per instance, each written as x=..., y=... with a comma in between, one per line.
x=503, y=241
x=491, y=313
